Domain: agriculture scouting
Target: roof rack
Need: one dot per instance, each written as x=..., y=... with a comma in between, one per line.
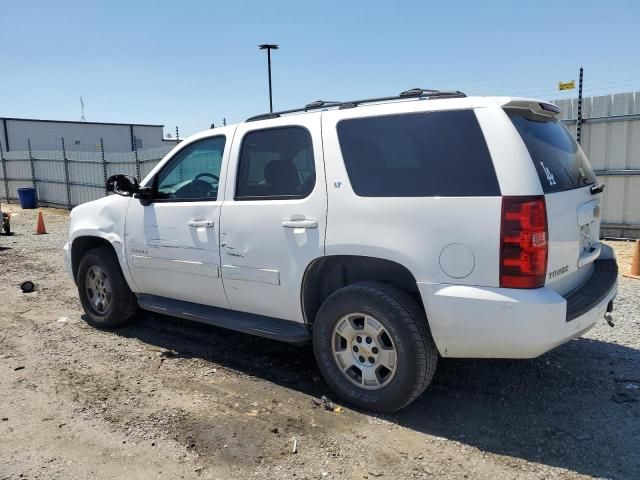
x=412, y=93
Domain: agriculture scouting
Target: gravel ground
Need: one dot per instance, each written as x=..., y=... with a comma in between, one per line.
x=165, y=398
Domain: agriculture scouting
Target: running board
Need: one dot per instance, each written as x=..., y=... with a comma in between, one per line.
x=268, y=327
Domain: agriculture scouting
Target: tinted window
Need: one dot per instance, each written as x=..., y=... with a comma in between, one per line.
x=194, y=172
x=276, y=163
x=561, y=165
x=418, y=154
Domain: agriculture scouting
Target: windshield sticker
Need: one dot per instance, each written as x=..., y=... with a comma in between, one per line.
x=550, y=177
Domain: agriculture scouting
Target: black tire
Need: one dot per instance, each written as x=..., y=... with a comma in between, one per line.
x=123, y=304
x=406, y=324
x=7, y=227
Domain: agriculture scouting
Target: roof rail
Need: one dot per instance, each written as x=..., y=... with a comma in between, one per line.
x=306, y=108
x=412, y=93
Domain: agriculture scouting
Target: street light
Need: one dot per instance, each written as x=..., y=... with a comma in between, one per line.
x=268, y=47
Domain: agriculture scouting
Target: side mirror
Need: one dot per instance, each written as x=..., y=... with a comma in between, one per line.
x=124, y=185
x=147, y=194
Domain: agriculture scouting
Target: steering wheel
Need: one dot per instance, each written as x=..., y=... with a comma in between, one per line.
x=207, y=174
x=199, y=187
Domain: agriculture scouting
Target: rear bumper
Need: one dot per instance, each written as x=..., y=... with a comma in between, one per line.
x=483, y=322
x=594, y=290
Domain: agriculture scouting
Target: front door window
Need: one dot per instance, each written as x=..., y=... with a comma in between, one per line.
x=193, y=173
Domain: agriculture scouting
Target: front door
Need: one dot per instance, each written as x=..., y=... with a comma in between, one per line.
x=273, y=218
x=172, y=244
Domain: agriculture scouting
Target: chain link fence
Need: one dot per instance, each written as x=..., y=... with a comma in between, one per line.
x=65, y=178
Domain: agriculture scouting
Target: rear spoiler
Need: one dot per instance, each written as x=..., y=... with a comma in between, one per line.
x=536, y=106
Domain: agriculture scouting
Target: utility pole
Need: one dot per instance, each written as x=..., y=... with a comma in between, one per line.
x=268, y=47
x=579, y=119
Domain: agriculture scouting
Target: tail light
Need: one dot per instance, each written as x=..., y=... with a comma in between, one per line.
x=523, y=242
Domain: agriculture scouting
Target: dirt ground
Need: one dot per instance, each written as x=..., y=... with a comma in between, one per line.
x=166, y=398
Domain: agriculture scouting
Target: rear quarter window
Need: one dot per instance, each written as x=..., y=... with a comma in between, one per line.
x=419, y=154
x=559, y=161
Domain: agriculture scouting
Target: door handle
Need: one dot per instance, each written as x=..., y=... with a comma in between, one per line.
x=200, y=223
x=306, y=223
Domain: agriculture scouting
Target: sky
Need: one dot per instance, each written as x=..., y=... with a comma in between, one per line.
x=193, y=63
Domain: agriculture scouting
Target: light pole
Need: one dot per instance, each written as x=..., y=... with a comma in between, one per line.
x=268, y=47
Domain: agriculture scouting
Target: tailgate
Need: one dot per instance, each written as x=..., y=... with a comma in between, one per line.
x=574, y=229
x=572, y=199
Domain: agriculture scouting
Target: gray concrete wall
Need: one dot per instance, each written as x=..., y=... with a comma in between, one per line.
x=79, y=136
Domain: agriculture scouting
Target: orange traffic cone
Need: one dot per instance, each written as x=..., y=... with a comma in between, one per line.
x=40, y=229
x=635, y=263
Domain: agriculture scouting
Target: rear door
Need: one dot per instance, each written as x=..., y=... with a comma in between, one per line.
x=274, y=214
x=573, y=211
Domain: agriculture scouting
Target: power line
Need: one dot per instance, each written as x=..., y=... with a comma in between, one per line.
x=599, y=77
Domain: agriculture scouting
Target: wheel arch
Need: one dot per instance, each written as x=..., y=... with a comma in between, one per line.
x=328, y=274
x=82, y=244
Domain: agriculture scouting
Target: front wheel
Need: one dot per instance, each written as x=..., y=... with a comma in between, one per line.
x=373, y=346
x=104, y=293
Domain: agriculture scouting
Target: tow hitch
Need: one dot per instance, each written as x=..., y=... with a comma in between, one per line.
x=607, y=315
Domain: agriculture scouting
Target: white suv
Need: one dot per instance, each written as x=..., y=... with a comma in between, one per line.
x=389, y=231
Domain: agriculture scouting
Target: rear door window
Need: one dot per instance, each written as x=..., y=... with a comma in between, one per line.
x=276, y=163
x=418, y=154
x=559, y=161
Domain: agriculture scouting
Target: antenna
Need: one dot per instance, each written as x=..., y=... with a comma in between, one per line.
x=82, y=108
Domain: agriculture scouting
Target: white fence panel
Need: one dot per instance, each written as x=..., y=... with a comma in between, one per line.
x=611, y=140
x=79, y=179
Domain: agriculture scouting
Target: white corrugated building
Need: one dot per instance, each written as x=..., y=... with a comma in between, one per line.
x=79, y=136
x=611, y=141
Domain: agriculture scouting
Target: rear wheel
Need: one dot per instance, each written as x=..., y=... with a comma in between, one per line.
x=373, y=346
x=104, y=293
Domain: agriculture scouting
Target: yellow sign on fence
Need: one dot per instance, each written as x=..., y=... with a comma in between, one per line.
x=567, y=85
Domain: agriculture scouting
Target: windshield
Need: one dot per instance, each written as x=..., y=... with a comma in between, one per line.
x=558, y=159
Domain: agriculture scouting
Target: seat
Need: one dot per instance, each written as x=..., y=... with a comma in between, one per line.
x=282, y=177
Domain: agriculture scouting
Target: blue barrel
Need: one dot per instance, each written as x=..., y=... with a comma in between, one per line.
x=28, y=197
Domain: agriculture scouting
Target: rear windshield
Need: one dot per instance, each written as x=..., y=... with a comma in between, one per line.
x=418, y=154
x=560, y=164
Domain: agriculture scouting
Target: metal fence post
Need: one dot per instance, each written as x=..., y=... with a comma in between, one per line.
x=579, y=116
x=181, y=166
x=4, y=174
x=135, y=152
x=104, y=167
x=32, y=165
x=66, y=174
